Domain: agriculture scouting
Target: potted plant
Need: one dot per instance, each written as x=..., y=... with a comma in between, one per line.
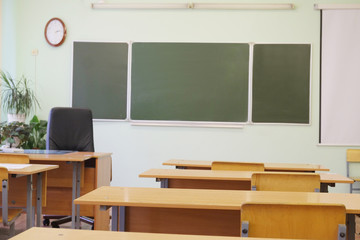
x=17, y=98
x=14, y=134
x=38, y=129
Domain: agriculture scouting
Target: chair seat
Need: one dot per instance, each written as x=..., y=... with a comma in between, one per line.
x=13, y=213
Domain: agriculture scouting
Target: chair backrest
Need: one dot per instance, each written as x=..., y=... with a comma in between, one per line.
x=14, y=158
x=289, y=182
x=294, y=221
x=353, y=155
x=237, y=166
x=70, y=129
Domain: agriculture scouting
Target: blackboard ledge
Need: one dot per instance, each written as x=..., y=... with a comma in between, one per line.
x=338, y=145
x=109, y=120
x=187, y=124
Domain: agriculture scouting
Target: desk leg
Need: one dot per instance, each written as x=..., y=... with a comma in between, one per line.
x=122, y=219
x=350, y=219
x=29, y=213
x=75, y=209
x=5, y=206
x=164, y=182
x=39, y=199
x=114, y=218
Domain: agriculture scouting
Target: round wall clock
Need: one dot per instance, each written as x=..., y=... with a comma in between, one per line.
x=55, y=32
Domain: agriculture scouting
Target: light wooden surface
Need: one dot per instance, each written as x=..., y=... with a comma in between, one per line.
x=309, y=221
x=14, y=158
x=71, y=234
x=237, y=166
x=208, y=199
x=268, y=166
x=32, y=169
x=71, y=157
x=273, y=181
x=227, y=175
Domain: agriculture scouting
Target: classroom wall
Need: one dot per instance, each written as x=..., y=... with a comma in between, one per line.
x=138, y=148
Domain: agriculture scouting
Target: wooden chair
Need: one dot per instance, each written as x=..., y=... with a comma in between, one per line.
x=288, y=182
x=8, y=216
x=237, y=166
x=14, y=158
x=294, y=221
x=353, y=161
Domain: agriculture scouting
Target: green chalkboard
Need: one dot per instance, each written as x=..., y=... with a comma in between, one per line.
x=281, y=83
x=190, y=82
x=100, y=78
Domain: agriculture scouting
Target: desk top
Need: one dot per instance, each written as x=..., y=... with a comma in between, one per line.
x=268, y=166
x=68, y=157
x=209, y=199
x=29, y=168
x=229, y=175
x=75, y=234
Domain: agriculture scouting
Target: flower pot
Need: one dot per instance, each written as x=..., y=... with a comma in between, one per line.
x=16, y=117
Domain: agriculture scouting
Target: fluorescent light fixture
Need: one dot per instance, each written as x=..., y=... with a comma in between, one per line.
x=219, y=6
x=336, y=6
x=140, y=5
x=243, y=6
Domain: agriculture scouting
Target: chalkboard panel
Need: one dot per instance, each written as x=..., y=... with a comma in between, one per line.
x=281, y=85
x=100, y=78
x=190, y=82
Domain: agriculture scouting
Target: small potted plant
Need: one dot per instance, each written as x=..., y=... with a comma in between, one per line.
x=38, y=129
x=17, y=98
x=14, y=134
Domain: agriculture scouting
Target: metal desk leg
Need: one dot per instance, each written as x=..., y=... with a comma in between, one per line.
x=39, y=199
x=29, y=212
x=75, y=209
x=122, y=219
x=164, y=183
x=114, y=218
x=350, y=219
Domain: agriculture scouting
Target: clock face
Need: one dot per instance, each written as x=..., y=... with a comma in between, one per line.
x=55, y=32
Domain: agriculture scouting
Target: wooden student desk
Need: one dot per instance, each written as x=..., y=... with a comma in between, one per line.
x=72, y=234
x=28, y=170
x=287, y=167
x=197, y=211
x=78, y=173
x=228, y=180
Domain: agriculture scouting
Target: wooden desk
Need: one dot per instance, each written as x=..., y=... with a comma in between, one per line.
x=229, y=180
x=288, y=167
x=194, y=211
x=72, y=234
x=89, y=170
x=29, y=170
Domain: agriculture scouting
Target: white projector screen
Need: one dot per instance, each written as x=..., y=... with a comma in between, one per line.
x=340, y=78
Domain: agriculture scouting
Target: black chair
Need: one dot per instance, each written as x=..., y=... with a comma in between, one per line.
x=69, y=129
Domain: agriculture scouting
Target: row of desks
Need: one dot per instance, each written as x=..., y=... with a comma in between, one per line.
x=202, y=211
x=225, y=180
x=195, y=211
x=278, y=167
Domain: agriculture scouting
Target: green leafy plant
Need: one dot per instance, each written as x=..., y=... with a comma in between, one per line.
x=14, y=134
x=17, y=97
x=38, y=130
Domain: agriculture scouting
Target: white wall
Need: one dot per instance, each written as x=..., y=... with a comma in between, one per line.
x=135, y=148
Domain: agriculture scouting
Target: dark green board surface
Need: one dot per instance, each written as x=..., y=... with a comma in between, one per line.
x=190, y=82
x=100, y=78
x=281, y=83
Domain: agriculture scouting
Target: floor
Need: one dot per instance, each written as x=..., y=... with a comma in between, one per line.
x=20, y=226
